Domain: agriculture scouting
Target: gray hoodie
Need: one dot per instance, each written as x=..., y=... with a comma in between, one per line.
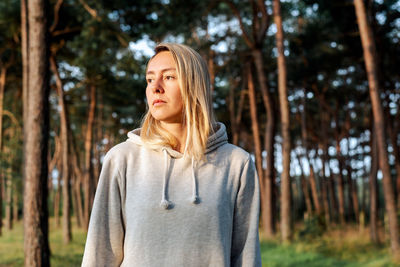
x=155, y=207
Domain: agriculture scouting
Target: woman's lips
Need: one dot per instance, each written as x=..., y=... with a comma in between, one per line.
x=158, y=102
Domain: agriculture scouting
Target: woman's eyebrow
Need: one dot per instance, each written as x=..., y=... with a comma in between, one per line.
x=162, y=71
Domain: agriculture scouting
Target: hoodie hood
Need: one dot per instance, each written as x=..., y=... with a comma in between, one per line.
x=218, y=138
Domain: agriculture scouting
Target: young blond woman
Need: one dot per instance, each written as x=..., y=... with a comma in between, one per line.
x=176, y=193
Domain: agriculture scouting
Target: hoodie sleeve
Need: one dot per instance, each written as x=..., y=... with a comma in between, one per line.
x=105, y=238
x=245, y=241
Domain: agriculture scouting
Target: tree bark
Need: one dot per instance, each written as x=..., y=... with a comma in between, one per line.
x=15, y=204
x=396, y=153
x=9, y=193
x=340, y=185
x=304, y=137
x=325, y=200
x=88, y=153
x=78, y=181
x=36, y=246
x=255, y=130
x=373, y=190
x=286, y=224
x=304, y=186
x=3, y=74
x=269, y=176
x=379, y=123
x=64, y=138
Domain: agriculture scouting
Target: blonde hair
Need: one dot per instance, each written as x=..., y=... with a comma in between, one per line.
x=198, y=114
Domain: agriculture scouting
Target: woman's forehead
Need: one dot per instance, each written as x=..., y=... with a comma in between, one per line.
x=161, y=61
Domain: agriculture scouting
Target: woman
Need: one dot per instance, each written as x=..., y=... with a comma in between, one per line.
x=176, y=193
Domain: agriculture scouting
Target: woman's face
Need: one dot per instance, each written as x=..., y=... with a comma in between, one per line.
x=162, y=91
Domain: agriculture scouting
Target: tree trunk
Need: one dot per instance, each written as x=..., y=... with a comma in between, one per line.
x=396, y=153
x=64, y=134
x=329, y=180
x=313, y=182
x=352, y=187
x=373, y=190
x=254, y=124
x=286, y=224
x=15, y=204
x=354, y=196
x=325, y=200
x=2, y=86
x=268, y=211
x=211, y=69
x=9, y=192
x=304, y=186
x=255, y=130
x=88, y=153
x=235, y=116
x=3, y=76
x=57, y=195
x=340, y=185
x=379, y=123
x=36, y=246
x=78, y=178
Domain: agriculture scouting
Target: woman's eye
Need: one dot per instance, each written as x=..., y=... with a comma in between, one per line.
x=169, y=77
x=149, y=80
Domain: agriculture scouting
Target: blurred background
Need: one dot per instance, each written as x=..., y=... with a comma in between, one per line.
x=289, y=81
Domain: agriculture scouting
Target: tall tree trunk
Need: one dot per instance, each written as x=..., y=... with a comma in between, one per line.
x=211, y=68
x=269, y=175
x=396, y=152
x=286, y=198
x=88, y=153
x=2, y=86
x=340, y=185
x=25, y=72
x=329, y=180
x=57, y=197
x=15, y=204
x=304, y=138
x=354, y=196
x=304, y=186
x=379, y=123
x=64, y=135
x=255, y=130
x=325, y=200
x=3, y=76
x=9, y=193
x=36, y=246
x=235, y=116
x=373, y=190
x=78, y=181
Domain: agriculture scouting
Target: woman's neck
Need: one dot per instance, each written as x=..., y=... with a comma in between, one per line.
x=178, y=130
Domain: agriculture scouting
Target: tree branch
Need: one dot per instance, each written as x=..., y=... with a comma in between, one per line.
x=237, y=14
x=56, y=15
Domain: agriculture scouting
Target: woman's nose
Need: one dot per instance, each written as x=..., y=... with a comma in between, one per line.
x=157, y=87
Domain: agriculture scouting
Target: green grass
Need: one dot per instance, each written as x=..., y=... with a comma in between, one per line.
x=348, y=248
x=11, y=247
x=339, y=247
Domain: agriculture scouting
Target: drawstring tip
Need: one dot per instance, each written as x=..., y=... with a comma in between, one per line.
x=196, y=200
x=165, y=204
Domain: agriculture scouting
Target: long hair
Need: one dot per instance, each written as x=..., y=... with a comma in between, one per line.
x=198, y=115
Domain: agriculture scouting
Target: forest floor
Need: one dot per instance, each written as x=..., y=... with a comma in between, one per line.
x=338, y=247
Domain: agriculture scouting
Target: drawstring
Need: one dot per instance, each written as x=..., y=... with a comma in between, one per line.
x=195, y=197
x=165, y=203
